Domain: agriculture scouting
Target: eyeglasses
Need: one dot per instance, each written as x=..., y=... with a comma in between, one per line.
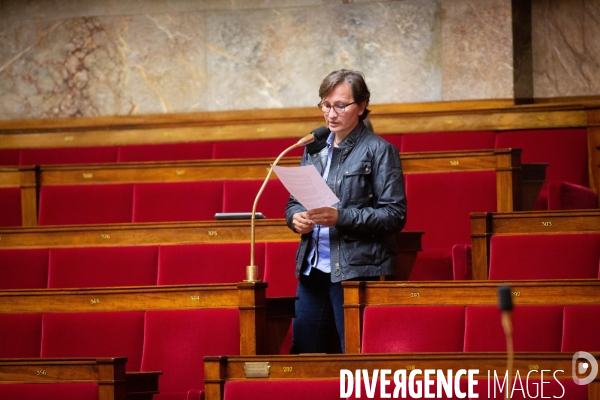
x=339, y=108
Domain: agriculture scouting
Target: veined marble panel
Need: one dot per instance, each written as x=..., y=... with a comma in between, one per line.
x=566, y=48
x=477, y=51
x=278, y=57
x=102, y=66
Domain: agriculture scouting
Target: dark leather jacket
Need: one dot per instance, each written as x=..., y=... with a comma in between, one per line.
x=366, y=175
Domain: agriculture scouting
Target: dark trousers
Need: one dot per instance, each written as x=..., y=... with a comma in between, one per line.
x=319, y=311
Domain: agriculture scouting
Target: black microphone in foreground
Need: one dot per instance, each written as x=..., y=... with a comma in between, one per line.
x=506, y=306
x=317, y=134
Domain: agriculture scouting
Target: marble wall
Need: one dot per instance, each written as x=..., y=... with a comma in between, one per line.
x=566, y=48
x=62, y=58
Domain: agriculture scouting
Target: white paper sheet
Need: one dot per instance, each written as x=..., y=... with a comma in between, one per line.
x=306, y=185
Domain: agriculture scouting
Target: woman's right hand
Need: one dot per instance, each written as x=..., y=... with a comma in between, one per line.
x=302, y=223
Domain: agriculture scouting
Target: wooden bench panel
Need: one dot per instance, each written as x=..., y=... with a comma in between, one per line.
x=485, y=225
x=220, y=370
x=358, y=295
x=109, y=373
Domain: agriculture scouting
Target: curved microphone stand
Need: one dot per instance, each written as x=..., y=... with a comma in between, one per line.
x=252, y=270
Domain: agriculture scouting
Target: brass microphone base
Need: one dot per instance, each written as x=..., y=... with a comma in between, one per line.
x=251, y=274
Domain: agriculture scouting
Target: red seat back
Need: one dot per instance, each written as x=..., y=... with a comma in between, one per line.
x=23, y=269
x=447, y=141
x=261, y=148
x=401, y=329
x=560, y=256
x=10, y=206
x=176, y=341
x=441, y=203
x=289, y=390
x=85, y=204
x=207, y=263
x=483, y=328
x=565, y=150
x=69, y=155
x=103, y=266
x=280, y=268
x=166, y=152
x=177, y=201
x=581, y=325
x=94, y=334
x=20, y=335
x=239, y=196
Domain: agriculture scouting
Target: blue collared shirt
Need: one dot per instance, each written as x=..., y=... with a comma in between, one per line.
x=319, y=251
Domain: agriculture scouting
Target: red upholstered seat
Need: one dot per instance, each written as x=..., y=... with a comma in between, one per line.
x=20, y=336
x=176, y=341
x=239, y=196
x=9, y=156
x=400, y=329
x=177, y=201
x=23, y=268
x=94, y=334
x=207, y=263
x=102, y=266
x=261, y=148
x=561, y=256
x=46, y=391
x=559, y=195
x=447, y=141
x=395, y=139
x=581, y=327
x=483, y=328
x=69, y=155
x=280, y=268
x=440, y=204
x=289, y=390
x=85, y=204
x=166, y=152
x=10, y=206
x=564, y=149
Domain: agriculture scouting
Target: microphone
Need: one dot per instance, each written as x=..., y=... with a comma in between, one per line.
x=506, y=307
x=317, y=134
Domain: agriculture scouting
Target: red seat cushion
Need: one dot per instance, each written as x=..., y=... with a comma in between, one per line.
x=176, y=341
x=103, y=266
x=85, y=204
x=558, y=195
x=43, y=391
x=166, y=152
x=447, y=141
x=23, y=268
x=94, y=334
x=400, y=329
x=69, y=155
x=280, y=268
x=581, y=325
x=177, y=201
x=207, y=263
x=483, y=328
x=261, y=148
x=9, y=156
x=560, y=256
x=432, y=265
x=20, y=335
x=239, y=196
x=10, y=206
x=289, y=390
x=565, y=151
